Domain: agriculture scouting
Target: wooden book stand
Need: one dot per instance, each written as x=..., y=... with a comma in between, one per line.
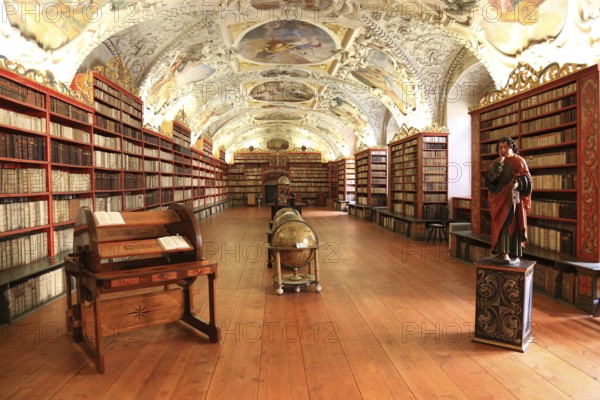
x=112, y=259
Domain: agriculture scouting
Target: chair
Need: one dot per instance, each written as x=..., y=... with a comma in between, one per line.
x=439, y=230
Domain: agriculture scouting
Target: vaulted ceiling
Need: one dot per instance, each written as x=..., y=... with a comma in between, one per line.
x=329, y=75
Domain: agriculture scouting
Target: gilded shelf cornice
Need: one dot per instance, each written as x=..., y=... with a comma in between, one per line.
x=524, y=77
x=404, y=131
x=436, y=128
x=44, y=79
x=182, y=118
x=118, y=73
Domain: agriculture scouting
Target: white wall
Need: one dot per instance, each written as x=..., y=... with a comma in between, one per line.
x=466, y=92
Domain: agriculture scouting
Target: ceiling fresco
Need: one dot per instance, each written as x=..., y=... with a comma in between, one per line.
x=286, y=42
x=328, y=75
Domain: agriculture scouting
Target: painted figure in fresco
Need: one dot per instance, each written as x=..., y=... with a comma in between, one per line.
x=509, y=193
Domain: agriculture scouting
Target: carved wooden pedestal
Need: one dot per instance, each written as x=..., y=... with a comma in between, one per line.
x=503, y=304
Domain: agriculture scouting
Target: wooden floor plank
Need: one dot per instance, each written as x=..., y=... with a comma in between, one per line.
x=374, y=372
x=394, y=319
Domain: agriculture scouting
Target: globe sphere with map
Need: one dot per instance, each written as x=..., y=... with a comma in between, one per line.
x=299, y=237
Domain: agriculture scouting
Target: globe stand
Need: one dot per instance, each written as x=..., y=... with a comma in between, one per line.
x=296, y=279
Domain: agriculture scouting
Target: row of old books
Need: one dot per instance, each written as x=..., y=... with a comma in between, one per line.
x=564, y=117
x=557, y=240
x=549, y=107
x=68, y=110
x=554, y=208
x=21, y=93
x=68, y=132
x=510, y=131
x=549, y=95
x=18, y=213
x=503, y=120
x=134, y=133
x=133, y=181
x=555, y=181
x=559, y=137
x=24, y=249
x=30, y=294
x=63, y=240
x=67, y=181
x=510, y=108
x=22, y=180
x=23, y=147
x=66, y=209
x=63, y=153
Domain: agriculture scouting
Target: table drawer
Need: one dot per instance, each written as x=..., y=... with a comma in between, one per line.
x=164, y=276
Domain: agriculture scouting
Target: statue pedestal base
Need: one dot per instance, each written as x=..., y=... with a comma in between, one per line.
x=503, y=303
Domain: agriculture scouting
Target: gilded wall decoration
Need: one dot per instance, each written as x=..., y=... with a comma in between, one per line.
x=588, y=246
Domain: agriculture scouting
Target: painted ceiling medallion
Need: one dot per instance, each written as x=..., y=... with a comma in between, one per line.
x=278, y=144
x=317, y=5
x=287, y=42
x=279, y=116
x=272, y=91
x=292, y=73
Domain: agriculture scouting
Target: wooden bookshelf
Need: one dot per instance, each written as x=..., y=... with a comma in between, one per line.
x=332, y=172
x=245, y=175
x=253, y=173
x=551, y=126
x=418, y=181
x=58, y=154
x=461, y=209
x=555, y=127
x=346, y=179
x=371, y=177
x=308, y=175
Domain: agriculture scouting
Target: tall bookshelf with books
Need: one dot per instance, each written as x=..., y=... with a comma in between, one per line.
x=371, y=177
x=461, y=209
x=246, y=175
x=255, y=174
x=308, y=175
x=346, y=179
x=152, y=170
x=555, y=127
x=57, y=154
x=182, y=165
x=418, y=179
x=332, y=178
x=133, y=152
x=44, y=136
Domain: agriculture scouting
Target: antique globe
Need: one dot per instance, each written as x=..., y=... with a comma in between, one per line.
x=299, y=237
x=283, y=211
x=290, y=215
x=283, y=180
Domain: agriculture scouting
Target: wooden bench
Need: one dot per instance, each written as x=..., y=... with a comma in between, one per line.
x=364, y=212
x=340, y=205
x=586, y=274
x=126, y=280
x=415, y=228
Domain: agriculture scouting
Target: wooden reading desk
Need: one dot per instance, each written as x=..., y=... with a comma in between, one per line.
x=112, y=260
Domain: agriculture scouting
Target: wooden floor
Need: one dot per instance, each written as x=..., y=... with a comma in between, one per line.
x=393, y=321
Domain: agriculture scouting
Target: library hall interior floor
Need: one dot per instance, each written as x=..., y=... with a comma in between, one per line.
x=394, y=320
